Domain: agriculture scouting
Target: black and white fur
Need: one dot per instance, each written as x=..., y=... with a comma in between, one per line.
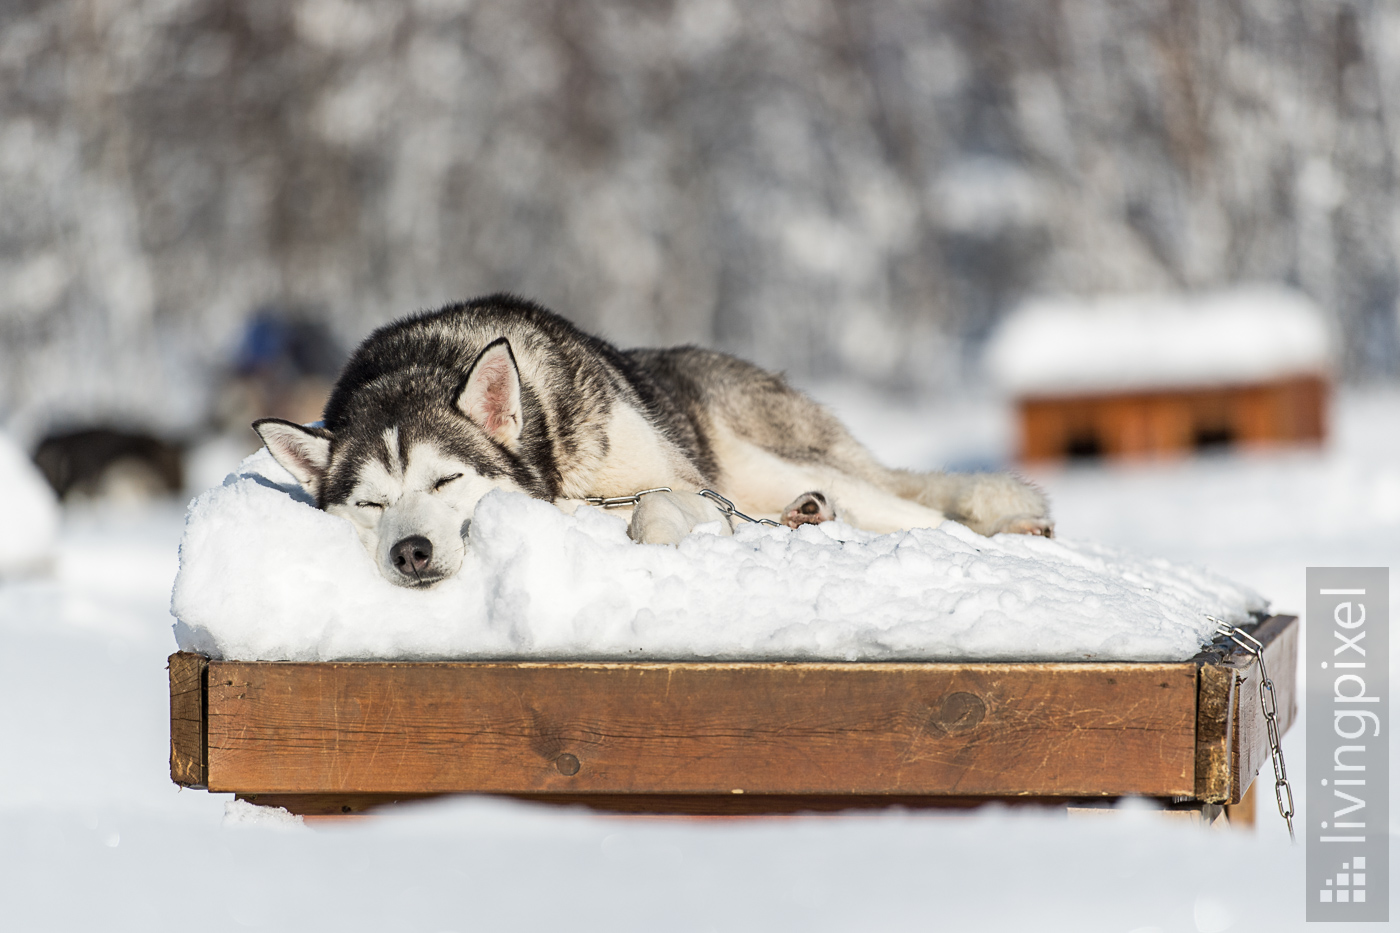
x=435, y=410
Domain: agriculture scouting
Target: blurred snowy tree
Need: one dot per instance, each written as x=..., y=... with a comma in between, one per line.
x=823, y=186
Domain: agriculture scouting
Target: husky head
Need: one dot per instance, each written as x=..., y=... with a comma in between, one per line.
x=412, y=454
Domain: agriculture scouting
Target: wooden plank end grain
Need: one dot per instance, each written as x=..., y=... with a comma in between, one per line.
x=1215, y=706
x=188, y=735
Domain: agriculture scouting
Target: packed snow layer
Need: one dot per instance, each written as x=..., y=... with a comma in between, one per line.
x=1058, y=346
x=30, y=528
x=242, y=813
x=266, y=576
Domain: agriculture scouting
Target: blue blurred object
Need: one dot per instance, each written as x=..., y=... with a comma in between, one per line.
x=281, y=345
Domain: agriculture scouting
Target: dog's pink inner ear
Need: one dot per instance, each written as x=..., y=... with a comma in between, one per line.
x=491, y=396
x=303, y=453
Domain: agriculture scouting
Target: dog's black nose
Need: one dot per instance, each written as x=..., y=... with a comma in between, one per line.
x=412, y=555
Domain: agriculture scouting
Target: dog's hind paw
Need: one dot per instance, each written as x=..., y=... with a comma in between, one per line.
x=808, y=509
x=1025, y=525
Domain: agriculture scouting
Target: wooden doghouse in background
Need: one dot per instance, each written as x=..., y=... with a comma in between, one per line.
x=1160, y=376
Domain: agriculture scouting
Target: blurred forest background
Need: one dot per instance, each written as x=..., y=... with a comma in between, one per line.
x=838, y=189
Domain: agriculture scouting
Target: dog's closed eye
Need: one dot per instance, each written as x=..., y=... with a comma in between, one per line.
x=445, y=480
x=362, y=504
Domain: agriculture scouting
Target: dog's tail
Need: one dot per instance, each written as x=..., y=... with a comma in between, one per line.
x=982, y=501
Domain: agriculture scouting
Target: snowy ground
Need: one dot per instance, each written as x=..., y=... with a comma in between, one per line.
x=93, y=835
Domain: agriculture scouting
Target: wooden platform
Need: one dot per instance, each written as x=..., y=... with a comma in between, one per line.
x=727, y=738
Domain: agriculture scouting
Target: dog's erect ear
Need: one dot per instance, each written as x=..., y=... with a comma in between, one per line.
x=491, y=395
x=303, y=452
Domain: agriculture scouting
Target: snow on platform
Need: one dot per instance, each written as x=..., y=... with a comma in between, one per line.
x=266, y=576
x=1136, y=342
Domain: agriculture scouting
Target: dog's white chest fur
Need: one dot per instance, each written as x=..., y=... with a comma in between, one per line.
x=637, y=456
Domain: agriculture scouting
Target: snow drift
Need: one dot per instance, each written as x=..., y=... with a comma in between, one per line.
x=266, y=576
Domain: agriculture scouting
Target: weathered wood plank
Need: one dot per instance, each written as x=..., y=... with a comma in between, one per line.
x=187, y=720
x=1231, y=737
x=802, y=728
x=934, y=734
x=1250, y=746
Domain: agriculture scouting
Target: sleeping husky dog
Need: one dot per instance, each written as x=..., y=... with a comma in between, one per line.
x=434, y=411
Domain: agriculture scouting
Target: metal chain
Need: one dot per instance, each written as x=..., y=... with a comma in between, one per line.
x=620, y=502
x=1268, y=702
x=725, y=506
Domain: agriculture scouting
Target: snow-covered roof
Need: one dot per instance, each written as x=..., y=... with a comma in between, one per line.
x=1125, y=342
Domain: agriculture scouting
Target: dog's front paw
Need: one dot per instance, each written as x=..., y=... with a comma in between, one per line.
x=1025, y=525
x=667, y=517
x=808, y=509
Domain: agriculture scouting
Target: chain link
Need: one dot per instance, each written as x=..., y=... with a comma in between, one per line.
x=1268, y=702
x=727, y=508
x=621, y=502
